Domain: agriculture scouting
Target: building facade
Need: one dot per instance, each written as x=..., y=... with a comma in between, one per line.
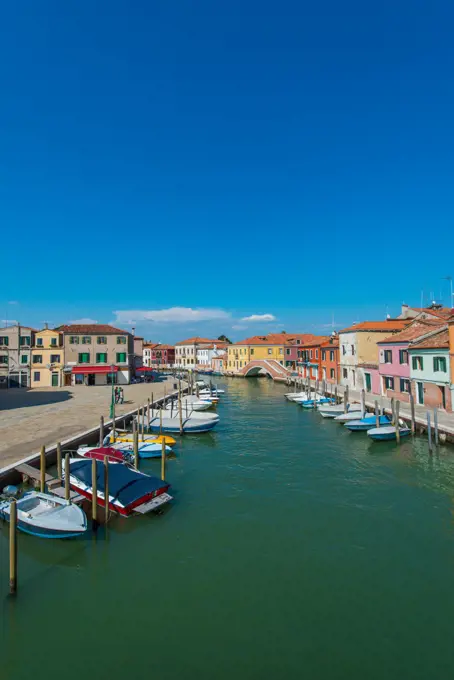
x=430, y=371
x=358, y=351
x=47, y=359
x=265, y=347
x=218, y=363
x=206, y=353
x=97, y=354
x=15, y=354
x=163, y=356
x=186, y=351
x=329, y=360
x=393, y=358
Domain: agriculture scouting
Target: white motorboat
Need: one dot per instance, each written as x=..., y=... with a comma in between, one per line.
x=47, y=516
x=192, y=402
x=350, y=415
x=331, y=411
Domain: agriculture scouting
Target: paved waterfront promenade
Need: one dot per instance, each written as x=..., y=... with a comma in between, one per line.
x=31, y=418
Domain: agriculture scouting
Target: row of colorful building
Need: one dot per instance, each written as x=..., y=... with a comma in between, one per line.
x=412, y=353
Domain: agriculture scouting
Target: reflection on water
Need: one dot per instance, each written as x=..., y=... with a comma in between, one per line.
x=293, y=547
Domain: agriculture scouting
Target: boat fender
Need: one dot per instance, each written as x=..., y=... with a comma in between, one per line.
x=11, y=490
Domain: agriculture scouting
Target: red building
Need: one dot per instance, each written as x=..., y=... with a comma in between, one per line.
x=329, y=360
x=163, y=355
x=311, y=357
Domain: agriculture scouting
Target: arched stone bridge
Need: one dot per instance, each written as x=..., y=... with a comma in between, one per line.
x=269, y=366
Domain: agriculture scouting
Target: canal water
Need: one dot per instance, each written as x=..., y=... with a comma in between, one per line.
x=293, y=549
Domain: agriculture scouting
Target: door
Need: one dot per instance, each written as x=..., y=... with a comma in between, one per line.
x=91, y=378
x=67, y=379
x=368, y=382
x=420, y=388
x=443, y=397
x=54, y=379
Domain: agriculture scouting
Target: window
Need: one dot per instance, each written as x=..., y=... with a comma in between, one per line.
x=388, y=356
x=368, y=380
x=417, y=363
x=281, y=351
x=24, y=359
x=73, y=339
x=270, y=351
x=405, y=385
x=121, y=340
x=389, y=383
x=86, y=340
x=353, y=350
x=323, y=355
x=331, y=373
x=24, y=340
x=287, y=351
x=252, y=351
x=39, y=342
x=310, y=354
x=101, y=340
x=54, y=358
x=37, y=358
x=121, y=357
x=84, y=358
x=36, y=376
x=316, y=353
x=331, y=355
x=403, y=356
x=345, y=373
x=4, y=360
x=53, y=342
x=4, y=340
x=79, y=379
x=344, y=351
x=440, y=364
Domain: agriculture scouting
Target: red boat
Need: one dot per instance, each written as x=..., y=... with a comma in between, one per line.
x=113, y=455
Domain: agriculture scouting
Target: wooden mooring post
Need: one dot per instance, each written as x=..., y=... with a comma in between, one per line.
x=106, y=489
x=13, y=548
x=377, y=414
x=346, y=400
x=94, y=497
x=143, y=423
x=412, y=412
x=148, y=413
x=67, y=486
x=101, y=430
x=135, y=444
x=160, y=420
x=429, y=432
x=396, y=420
x=393, y=412
x=436, y=427
x=59, y=462
x=180, y=412
x=163, y=458
x=363, y=403
x=42, y=469
x=152, y=405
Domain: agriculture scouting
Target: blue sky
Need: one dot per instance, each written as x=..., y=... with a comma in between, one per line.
x=224, y=161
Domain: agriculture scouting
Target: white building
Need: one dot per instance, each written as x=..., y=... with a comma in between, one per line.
x=205, y=353
x=186, y=351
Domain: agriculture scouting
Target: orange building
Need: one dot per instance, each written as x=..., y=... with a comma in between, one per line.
x=311, y=357
x=329, y=360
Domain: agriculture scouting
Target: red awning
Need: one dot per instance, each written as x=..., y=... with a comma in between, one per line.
x=144, y=368
x=83, y=370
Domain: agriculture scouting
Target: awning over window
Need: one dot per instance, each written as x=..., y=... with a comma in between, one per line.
x=83, y=370
x=144, y=368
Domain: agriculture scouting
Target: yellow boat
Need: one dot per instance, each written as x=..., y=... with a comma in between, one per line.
x=156, y=438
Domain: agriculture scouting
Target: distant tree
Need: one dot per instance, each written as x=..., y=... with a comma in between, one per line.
x=284, y=332
x=224, y=338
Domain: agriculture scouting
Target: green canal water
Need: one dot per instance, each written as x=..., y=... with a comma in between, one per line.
x=292, y=549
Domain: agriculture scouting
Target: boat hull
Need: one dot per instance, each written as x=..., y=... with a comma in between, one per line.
x=46, y=516
x=387, y=433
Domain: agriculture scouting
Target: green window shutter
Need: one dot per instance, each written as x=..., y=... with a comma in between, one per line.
x=24, y=359
x=121, y=357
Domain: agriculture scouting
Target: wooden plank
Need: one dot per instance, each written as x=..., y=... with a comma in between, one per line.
x=75, y=497
x=31, y=472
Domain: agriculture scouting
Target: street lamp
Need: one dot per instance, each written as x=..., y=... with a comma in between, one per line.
x=112, y=401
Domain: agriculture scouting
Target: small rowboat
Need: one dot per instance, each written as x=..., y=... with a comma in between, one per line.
x=121, y=436
x=338, y=409
x=309, y=403
x=100, y=452
x=350, y=415
x=387, y=433
x=366, y=423
x=47, y=516
x=130, y=491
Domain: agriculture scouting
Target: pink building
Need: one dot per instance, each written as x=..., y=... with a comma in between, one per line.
x=394, y=366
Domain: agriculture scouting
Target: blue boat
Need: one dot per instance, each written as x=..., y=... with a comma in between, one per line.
x=366, y=423
x=309, y=403
x=47, y=516
x=387, y=433
x=196, y=422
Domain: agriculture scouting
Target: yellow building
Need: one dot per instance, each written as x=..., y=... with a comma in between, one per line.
x=47, y=359
x=261, y=347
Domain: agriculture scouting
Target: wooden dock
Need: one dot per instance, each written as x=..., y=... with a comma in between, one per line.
x=53, y=484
